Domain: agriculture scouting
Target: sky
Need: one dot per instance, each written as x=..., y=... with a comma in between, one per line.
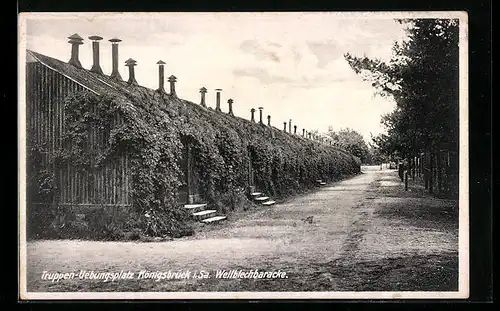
x=291, y=64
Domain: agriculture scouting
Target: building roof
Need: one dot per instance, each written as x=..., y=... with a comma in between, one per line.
x=123, y=92
x=97, y=83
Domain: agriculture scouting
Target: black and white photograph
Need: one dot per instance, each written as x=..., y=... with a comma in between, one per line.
x=243, y=155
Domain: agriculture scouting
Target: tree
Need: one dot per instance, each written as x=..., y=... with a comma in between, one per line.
x=351, y=141
x=422, y=78
x=378, y=154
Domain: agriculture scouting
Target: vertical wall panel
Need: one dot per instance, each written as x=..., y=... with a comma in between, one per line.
x=46, y=90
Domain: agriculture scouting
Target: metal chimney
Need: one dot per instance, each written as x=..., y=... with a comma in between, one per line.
x=75, y=41
x=130, y=63
x=172, y=79
x=217, y=100
x=203, y=91
x=114, y=55
x=230, y=102
x=161, y=76
x=96, y=67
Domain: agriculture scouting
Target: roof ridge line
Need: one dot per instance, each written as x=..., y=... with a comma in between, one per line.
x=50, y=67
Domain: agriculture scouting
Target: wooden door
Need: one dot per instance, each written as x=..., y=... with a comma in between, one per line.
x=189, y=191
x=183, y=191
x=251, y=174
x=193, y=178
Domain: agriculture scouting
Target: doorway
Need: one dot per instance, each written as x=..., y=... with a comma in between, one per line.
x=189, y=191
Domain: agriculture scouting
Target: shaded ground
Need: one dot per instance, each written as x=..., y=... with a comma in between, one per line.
x=366, y=234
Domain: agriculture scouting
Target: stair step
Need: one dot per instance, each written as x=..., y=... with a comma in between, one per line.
x=268, y=203
x=214, y=219
x=194, y=206
x=262, y=198
x=205, y=212
x=255, y=194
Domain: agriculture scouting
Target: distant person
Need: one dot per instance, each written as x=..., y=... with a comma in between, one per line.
x=401, y=170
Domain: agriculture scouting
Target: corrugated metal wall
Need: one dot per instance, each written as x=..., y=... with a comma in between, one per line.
x=45, y=91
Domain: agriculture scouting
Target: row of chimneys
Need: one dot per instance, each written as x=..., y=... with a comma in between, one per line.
x=76, y=41
x=304, y=133
x=309, y=135
x=230, y=101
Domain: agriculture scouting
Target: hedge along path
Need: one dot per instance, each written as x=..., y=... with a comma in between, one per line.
x=151, y=130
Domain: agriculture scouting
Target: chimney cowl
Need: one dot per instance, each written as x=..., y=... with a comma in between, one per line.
x=172, y=79
x=75, y=38
x=75, y=41
x=130, y=63
x=203, y=91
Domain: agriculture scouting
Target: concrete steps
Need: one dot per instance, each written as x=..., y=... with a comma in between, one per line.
x=204, y=214
x=214, y=219
x=269, y=203
x=195, y=207
x=210, y=216
x=262, y=198
x=200, y=213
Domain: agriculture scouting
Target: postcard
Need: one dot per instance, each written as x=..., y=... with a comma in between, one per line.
x=256, y=155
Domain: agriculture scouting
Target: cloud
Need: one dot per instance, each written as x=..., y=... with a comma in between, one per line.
x=325, y=52
x=274, y=44
x=261, y=74
x=297, y=55
x=306, y=75
x=260, y=51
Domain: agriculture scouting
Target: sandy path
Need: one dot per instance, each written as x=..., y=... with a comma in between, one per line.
x=360, y=227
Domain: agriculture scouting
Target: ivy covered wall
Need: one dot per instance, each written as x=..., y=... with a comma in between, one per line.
x=150, y=132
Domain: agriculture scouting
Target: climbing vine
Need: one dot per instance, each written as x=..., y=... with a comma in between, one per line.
x=150, y=127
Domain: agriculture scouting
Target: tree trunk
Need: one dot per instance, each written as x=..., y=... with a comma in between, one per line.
x=413, y=167
x=431, y=173
x=439, y=173
x=425, y=170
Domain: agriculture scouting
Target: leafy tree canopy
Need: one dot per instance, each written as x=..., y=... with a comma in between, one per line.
x=351, y=141
x=422, y=78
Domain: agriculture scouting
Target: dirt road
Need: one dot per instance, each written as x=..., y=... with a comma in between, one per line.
x=366, y=234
